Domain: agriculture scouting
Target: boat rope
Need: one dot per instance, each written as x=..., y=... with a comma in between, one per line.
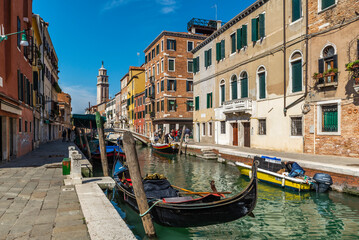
x=148, y=210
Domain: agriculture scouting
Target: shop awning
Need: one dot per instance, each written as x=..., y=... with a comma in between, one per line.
x=85, y=120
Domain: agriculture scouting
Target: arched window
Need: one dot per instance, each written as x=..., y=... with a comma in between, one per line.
x=328, y=65
x=244, y=85
x=296, y=72
x=234, y=87
x=222, y=92
x=261, y=76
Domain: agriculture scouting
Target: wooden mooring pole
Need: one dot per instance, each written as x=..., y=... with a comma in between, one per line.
x=101, y=139
x=135, y=173
x=180, y=147
x=80, y=138
x=87, y=144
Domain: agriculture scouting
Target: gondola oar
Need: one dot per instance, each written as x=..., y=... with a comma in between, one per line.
x=189, y=191
x=199, y=193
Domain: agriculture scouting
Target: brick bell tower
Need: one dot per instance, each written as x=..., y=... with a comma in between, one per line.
x=102, y=85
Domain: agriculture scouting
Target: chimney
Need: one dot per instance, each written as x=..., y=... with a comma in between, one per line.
x=219, y=24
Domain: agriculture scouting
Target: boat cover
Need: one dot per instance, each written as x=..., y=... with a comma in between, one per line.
x=159, y=189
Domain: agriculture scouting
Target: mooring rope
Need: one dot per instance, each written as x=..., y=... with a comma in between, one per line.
x=148, y=210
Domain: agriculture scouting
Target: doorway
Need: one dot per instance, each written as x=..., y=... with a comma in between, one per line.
x=235, y=134
x=247, y=134
x=11, y=135
x=198, y=132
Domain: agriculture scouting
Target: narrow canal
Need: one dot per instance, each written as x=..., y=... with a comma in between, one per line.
x=278, y=215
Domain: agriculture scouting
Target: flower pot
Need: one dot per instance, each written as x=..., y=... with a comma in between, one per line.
x=330, y=74
x=319, y=75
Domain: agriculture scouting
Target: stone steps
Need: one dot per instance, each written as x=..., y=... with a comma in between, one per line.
x=208, y=154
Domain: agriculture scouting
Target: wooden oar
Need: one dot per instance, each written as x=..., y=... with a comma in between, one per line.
x=205, y=193
x=186, y=190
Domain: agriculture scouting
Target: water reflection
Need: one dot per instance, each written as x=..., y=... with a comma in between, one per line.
x=278, y=215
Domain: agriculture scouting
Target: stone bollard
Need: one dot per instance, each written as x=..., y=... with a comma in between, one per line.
x=72, y=150
x=76, y=176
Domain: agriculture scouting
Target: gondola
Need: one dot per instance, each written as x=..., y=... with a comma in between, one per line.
x=191, y=212
x=113, y=152
x=168, y=148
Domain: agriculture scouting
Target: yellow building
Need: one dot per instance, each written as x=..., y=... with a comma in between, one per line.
x=135, y=85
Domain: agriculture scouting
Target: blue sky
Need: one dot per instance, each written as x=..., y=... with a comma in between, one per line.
x=85, y=32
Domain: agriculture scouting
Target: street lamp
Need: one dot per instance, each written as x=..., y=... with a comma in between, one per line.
x=23, y=41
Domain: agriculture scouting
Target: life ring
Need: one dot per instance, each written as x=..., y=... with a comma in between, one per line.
x=355, y=111
x=349, y=111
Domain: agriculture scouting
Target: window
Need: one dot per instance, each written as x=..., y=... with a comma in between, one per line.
x=209, y=129
x=296, y=72
x=171, y=65
x=153, y=70
x=296, y=126
x=171, y=44
x=189, y=86
x=157, y=49
x=162, y=85
x=197, y=103
x=20, y=124
x=145, y=58
x=18, y=35
x=149, y=56
x=209, y=100
x=190, y=106
x=158, y=68
x=189, y=66
x=220, y=50
x=223, y=127
x=171, y=85
x=189, y=46
x=258, y=28
x=25, y=126
x=262, y=82
x=158, y=87
x=162, y=66
x=326, y=3
x=222, y=92
x=162, y=46
x=234, y=87
x=242, y=37
x=196, y=64
x=296, y=10
x=208, y=58
x=171, y=105
x=233, y=43
x=327, y=65
x=244, y=85
x=203, y=129
x=162, y=105
x=330, y=118
x=262, y=129
x=153, y=53
x=158, y=107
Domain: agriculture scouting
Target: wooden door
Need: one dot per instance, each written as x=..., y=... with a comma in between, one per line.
x=247, y=134
x=235, y=134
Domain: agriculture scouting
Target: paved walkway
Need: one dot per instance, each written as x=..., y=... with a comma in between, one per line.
x=34, y=203
x=344, y=165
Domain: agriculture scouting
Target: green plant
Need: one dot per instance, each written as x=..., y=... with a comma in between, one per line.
x=317, y=75
x=331, y=70
x=350, y=65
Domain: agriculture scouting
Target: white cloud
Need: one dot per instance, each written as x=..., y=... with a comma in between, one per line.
x=114, y=4
x=166, y=10
x=80, y=97
x=168, y=6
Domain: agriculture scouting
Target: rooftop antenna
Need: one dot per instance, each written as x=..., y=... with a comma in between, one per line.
x=215, y=6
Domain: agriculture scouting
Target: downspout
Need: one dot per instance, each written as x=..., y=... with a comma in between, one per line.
x=284, y=61
x=306, y=63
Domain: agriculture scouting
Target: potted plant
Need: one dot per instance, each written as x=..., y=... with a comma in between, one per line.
x=317, y=75
x=330, y=72
x=352, y=65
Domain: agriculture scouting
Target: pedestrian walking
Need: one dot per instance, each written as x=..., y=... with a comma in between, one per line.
x=68, y=134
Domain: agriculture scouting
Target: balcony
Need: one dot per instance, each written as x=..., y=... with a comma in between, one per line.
x=152, y=115
x=238, y=105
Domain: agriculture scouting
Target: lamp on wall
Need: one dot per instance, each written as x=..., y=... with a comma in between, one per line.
x=23, y=41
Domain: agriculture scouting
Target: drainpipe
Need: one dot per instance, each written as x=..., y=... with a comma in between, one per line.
x=284, y=61
x=306, y=64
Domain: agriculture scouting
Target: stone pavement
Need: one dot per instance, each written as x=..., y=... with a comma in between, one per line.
x=34, y=203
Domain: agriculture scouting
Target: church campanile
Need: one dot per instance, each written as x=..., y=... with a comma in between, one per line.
x=102, y=85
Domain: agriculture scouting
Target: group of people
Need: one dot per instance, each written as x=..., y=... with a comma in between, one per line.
x=67, y=135
x=172, y=136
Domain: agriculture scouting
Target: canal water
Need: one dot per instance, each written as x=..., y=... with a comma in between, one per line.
x=278, y=215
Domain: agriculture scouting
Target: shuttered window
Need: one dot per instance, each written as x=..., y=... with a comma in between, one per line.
x=258, y=27
x=223, y=94
x=195, y=65
x=261, y=20
x=171, y=105
x=218, y=51
x=189, y=86
x=244, y=35
x=234, y=88
x=262, y=85
x=254, y=29
x=223, y=49
x=157, y=49
x=244, y=87
x=330, y=118
x=171, y=44
x=208, y=58
x=190, y=66
x=233, y=43
x=209, y=100
x=171, y=65
x=197, y=103
x=297, y=76
x=327, y=3
x=162, y=85
x=296, y=10
x=239, y=38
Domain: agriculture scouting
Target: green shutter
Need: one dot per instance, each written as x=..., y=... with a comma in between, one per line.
x=297, y=76
x=244, y=35
x=239, y=38
x=162, y=85
x=234, y=89
x=218, y=51
x=197, y=62
x=205, y=58
x=254, y=29
x=330, y=120
x=223, y=94
x=197, y=103
x=296, y=10
x=233, y=42
x=244, y=88
x=194, y=65
x=209, y=100
x=223, y=49
x=175, y=85
x=209, y=57
x=327, y=3
x=261, y=26
x=262, y=85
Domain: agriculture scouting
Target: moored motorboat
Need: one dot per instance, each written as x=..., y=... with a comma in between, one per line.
x=112, y=152
x=169, y=148
x=174, y=210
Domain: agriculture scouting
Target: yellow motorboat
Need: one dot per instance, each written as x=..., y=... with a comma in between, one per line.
x=272, y=177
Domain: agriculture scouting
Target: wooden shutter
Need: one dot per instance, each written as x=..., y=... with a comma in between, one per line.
x=162, y=85
x=218, y=51
x=210, y=57
x=262, y=86
x=194, y=65
x=168, y=85
x=174, y=45
x=207, y=100
x=233, y=42
x=254, y=29
x=187, y=86
x=321, y=65
x=244, y=35
x=223, y=94
x=197, y=103
x=239, y=38
x=175, y=104
x=168, y=105
x=327, y=3
x=197, y=62
x=175, y=85
x=234, y=89
x=244, y=88
x=168, y=44
x=261, y=25
x=296, y=9
x=297, y=76
x=335, y=61
x=205, y=58
x=223, y=49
